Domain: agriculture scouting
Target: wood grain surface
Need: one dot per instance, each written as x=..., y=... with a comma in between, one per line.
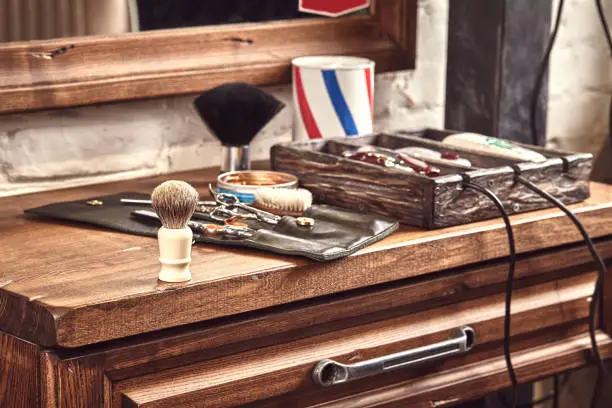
x=430, y=202
x=552, y=289
x=167, y=62
x=48, y=379
x=67, y=285
x=399, y=20
x=447, y=388
x=80, y=383
x=286, y=367
x=330, y=313
x=19, y=373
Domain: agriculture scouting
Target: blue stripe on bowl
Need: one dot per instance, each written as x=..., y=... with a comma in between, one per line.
x=246, y=198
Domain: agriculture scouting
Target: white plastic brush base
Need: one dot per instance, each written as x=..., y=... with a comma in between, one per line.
x=175, y=254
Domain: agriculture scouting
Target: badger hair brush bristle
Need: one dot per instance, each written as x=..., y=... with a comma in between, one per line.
x=174, y=202
x=283, y=201
x=235, y=112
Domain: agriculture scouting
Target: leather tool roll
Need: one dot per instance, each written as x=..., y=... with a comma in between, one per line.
x=335, y=234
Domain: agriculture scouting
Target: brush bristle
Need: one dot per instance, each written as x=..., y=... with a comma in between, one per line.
x=282, y=201
x=174, y=202
x=236, y=112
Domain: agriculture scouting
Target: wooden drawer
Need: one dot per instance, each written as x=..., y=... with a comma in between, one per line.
x=436, y=386
x=557, y=309
x=266, y=358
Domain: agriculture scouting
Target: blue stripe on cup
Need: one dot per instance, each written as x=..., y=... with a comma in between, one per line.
x=340, y=106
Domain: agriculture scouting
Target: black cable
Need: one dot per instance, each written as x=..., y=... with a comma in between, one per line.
x=556, y=391
x=509, y=283
x=604, y=24
x=597, y=391
x=596, y=300
x=551, y=395
x=606, y=29
x=537, y=87
x=534, y=133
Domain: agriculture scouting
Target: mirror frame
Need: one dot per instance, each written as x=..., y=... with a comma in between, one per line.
x=89, y=70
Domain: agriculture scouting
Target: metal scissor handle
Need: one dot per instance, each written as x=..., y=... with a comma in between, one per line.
x=222, y=198
x=330, y=372
x=227, y=201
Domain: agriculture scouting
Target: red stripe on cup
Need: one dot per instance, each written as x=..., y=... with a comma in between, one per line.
x=309, y=122
x=368, y=75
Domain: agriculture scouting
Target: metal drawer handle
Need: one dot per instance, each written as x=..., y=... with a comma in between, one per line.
x=330, y=372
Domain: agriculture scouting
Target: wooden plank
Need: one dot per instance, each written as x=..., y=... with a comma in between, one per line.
x=478, y=379
x=81, y=383
x=491, y=66
x=75, y=288
x=149, y=354
x=355, y=185
x=454, y=204
x=19, y=373
x=378, y=385
x=398, y=18
x=430, y=202
x=284, y=368
x=332, y=313
x=48, y=379
x=97, y=69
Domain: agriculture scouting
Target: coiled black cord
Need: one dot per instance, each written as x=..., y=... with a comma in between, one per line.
x=509, y=282
x=596, y=300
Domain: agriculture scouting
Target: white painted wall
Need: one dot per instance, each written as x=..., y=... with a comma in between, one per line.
x=56, y=149
x=580, y=82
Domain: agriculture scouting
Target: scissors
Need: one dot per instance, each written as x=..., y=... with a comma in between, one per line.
x=229, y=201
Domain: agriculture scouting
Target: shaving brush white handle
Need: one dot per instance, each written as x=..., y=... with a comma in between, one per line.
x=175, y=254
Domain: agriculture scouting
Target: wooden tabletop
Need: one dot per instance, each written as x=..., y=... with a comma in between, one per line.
x=65, y=285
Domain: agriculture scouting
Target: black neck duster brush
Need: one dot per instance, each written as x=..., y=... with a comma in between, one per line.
x=235, y=113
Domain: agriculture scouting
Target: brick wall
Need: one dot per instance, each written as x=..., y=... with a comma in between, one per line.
x=68, y=147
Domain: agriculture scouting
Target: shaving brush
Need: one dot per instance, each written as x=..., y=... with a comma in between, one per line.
x=174, y=202
x=235, y=112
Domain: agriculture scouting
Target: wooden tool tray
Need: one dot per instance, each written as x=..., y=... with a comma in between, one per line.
x=430, y=202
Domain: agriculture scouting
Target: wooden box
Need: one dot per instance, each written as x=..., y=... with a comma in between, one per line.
x=430, y=202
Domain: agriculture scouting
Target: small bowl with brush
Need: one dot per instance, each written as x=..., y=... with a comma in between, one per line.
x=244, y=184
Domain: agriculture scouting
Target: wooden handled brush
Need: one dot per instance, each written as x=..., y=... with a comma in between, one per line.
x=174, y=202
x=235, y=113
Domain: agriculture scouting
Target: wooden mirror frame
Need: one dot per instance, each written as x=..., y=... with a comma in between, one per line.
x=87, y=70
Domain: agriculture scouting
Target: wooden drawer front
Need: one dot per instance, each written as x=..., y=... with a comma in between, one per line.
x=542, y=313
x=307, y=319
x=449, y=387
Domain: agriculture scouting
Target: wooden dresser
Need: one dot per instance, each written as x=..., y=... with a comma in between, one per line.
x=85, y=323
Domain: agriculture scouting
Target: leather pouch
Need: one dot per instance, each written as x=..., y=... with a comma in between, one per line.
x=335, y=234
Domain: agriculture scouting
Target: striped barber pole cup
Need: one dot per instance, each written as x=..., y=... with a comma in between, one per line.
x=333, y=96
